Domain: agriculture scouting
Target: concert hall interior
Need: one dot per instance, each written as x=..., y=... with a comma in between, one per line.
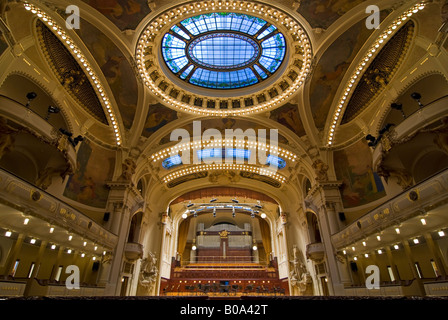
x=223, y=148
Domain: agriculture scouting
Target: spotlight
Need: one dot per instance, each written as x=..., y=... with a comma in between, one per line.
x=184, y=216
x=195, y=214
x=373, y=141
x=213, y=200
x=399, y=107
x=252, y=214
x=214, y=212
x=263, y=215
x=190, y=204
x=51, y=110
x=30, y=96
x=417, y=96
x=233, y=212
x=235, y=200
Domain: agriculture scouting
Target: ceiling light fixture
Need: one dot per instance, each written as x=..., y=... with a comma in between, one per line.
x=76, y=52
x=363, y=64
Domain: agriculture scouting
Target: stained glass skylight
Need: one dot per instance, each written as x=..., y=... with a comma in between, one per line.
x=223, y=50
x=220, y=154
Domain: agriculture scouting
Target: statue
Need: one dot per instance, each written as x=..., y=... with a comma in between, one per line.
x=128, y=170
x=148, y=271
x=299, y=276
x=403, y=178
x=320, y=168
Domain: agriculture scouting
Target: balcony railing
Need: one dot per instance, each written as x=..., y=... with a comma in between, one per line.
x=315, y=251
x=133, y=250
x=431, y=191
x=28, y=198
x=35, y=123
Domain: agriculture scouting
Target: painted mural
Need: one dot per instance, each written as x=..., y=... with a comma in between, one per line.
x=158, y=116
x=353, y=166
x=288, y=115
x=331, y=69
x=322, y=13
x=125, y=14
x=115, y=67
x=95, y=165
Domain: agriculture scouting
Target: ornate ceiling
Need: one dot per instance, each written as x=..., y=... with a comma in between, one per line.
x=320, y=94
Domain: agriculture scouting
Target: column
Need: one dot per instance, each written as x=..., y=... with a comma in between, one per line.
x=29, y=282
x=114, y=285
x=12, y=257
x=434, y=249
x=411, y=262
x=392, y=264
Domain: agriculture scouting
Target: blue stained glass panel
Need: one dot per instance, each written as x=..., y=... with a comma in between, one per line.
x=209, y=153
x=180, y=32
x=276, y=161
x=267, y=31
x=223, y=60
x=238, y=153
x=171, y=162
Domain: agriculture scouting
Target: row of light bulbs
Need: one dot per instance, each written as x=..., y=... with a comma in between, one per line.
x=396, y=246
x=224, y=166
x=148, y=35
x=357, y=74
x=76, y=52
x=275, y=150
x=33, y=240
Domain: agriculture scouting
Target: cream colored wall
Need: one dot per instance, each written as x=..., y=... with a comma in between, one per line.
x=29, y=254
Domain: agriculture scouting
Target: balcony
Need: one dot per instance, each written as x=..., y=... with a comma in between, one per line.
x=38, y=126
x=415, y=148
x=315, y=251
x=404, y=288
x=430, y=193
x=133, y=251
x=19, y=197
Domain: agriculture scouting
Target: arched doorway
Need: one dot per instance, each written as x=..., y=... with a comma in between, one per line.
x=224, y=245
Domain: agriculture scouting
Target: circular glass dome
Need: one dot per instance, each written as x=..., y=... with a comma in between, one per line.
x=223, y=50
